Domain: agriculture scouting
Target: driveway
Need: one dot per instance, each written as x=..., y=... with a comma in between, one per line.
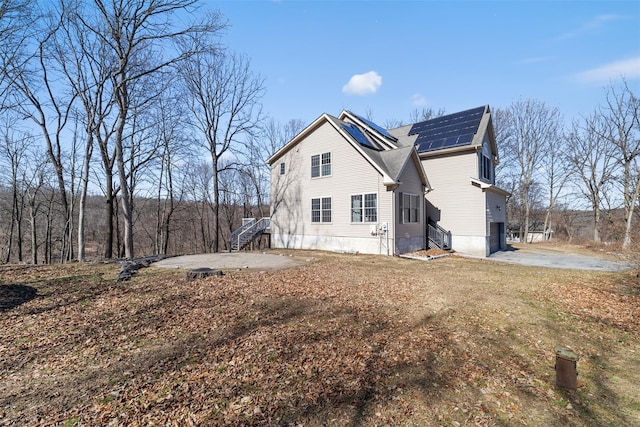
x=561, y=257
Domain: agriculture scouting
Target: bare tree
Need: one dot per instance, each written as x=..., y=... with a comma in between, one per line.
x=14, y=150
x=36, y=98
x=425, y=113
x=35, y=183
x=555, y=172
x=173, y=150
x=593, y=160
x=621, y=113
x=273, y=136
x=139, y=37
x=224, y=102
x=17, y=18
x=528, y=129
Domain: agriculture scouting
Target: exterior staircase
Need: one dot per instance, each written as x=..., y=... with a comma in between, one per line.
x=438, y=237
x=248, y=231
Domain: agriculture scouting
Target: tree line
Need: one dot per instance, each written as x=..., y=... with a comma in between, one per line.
x=129, y=127
x=591, y=164
x=132, y=100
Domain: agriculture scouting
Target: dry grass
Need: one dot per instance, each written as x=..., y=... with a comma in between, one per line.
x=345, y=340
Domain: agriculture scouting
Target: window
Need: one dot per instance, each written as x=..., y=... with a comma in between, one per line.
x=364, y=212
x=321, y=209
x=409, y=208
x=486, y=168
x=320, y=165
x=282, y=168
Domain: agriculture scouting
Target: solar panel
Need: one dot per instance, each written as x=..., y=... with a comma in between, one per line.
x=357, y=134
x=449, y=131
x=374, y=126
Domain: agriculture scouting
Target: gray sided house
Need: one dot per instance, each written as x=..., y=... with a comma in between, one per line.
x=345, y=184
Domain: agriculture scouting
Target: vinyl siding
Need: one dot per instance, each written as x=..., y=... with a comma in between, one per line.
x=496, y=208
x=462, y=205
x=351, y=174
x=410, y=237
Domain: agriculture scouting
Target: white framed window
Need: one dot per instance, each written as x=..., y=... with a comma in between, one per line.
x=409, y=208
x=364, y=207
x=320, y=165
x=282, y=168
x=321, y=209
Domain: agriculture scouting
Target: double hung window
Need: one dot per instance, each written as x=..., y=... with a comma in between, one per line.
x=410, y=208
x=320, y=165
x=364, y=207
x=321, y=209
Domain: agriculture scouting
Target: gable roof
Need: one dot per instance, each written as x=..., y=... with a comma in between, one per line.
x=370, y=141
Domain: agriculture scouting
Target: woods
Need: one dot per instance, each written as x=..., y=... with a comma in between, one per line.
x=129, y=128
x=113, y=78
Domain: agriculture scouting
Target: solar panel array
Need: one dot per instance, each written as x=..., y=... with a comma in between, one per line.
x=369, y=123
x=357, y=134
x=453, y=130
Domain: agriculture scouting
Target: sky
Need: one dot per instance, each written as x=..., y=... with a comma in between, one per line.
x=386, y=58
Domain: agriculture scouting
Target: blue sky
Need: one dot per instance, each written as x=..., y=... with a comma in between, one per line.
x=401, y=55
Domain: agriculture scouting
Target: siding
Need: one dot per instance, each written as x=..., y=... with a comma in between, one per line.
x=462, y=205
x=410, y=237
x=351, y=174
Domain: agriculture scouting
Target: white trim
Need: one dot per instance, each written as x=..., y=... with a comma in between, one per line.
x=330, y=153
x=489, y=187
x=364, y=208
x=321, y=222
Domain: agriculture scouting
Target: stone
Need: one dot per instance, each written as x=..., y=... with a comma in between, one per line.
x=201, y=273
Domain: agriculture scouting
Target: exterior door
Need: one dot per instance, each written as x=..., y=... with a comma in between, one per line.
x=495, y=236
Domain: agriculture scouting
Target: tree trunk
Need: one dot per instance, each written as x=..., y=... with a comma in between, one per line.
x=83, y=199
x=34, y=240
x=216, y=208
x=596, y=222
x=626, y=244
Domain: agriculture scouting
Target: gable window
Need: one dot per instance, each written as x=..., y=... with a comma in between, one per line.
x=364, y=207
x=321, y=209
x=282, y=168
x=409, y=208
x=320, y=165
x=486, y=168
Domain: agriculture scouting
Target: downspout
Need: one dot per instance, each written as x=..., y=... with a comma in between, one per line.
x=393, y=220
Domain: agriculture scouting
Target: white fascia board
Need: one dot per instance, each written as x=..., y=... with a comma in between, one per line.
x=489, y=187
x=306, y=131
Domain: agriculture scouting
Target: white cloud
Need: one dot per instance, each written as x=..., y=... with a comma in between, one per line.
x=418, y=100
x=534, y=60
x=593, y=25
x=628, y=68
x=362, y=84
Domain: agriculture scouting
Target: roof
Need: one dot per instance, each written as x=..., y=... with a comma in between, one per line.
x=461, y=131
x=377, y=146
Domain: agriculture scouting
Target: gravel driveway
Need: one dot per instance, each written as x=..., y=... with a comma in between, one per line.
x=559, y=257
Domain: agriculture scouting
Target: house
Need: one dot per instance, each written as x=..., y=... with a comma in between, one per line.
x=346, y=184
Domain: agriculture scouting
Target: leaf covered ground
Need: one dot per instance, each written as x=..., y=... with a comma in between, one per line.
x=343, y=340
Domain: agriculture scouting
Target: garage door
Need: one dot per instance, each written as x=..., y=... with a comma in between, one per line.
x=495, y=236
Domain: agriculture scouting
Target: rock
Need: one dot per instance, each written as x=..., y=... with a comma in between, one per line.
x=131, y=266
x=201, y=273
